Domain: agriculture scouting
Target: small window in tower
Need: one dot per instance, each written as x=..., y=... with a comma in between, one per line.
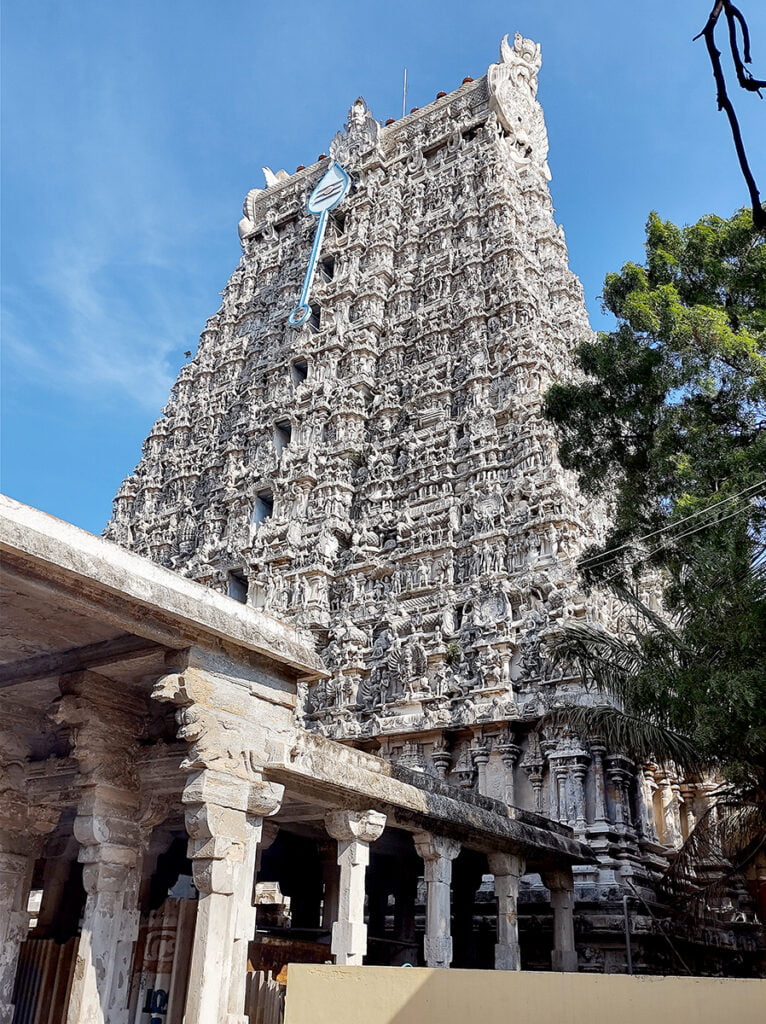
x=283, y=431
x=315, y=319
x=237, y=585
x=264, y=506
x=327, y=268
x=299, y=371
x=338, y=223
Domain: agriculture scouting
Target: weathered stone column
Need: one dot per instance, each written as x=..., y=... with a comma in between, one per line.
x=354, y=831
x=223, y=818
x=507, y=869
x=108, y=834
x=598, y=750
x=510, y=753
x=437, y=853
x=22, y=833
x=480, y=758
x=561, y=885
x=105, y=724
x=328, y=859
x=229, y=730
x=15, y=876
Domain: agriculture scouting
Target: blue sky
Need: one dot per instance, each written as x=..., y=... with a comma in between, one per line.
x=132, y=131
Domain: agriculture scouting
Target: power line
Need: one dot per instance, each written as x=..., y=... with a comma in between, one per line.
x=687, y=533
x=610, y=552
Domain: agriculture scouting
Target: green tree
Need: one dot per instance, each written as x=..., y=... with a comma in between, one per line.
x=668, y=415
x=666, y=423
x=688, y=689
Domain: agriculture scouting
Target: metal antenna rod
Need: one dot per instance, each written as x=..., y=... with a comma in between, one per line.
x=404, y=94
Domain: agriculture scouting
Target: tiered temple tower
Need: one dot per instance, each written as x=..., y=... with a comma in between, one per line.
x=383, y=476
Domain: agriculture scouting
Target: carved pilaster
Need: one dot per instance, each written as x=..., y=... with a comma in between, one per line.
x=598, y=751
x=480, y=758
x=509, y=754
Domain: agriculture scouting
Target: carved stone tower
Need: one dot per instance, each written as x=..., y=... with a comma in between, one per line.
x=382, y=474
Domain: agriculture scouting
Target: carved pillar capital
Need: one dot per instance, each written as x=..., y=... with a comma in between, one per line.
x=432, y=848
x=501, y=864
x=104, y=726
x=366, y=826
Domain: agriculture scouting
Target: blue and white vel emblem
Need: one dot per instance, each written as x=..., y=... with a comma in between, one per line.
x=327, y=194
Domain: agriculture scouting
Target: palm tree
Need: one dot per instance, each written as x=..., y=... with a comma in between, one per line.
x=687, y=689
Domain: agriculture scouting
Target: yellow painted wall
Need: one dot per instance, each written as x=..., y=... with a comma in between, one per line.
x=401, y=995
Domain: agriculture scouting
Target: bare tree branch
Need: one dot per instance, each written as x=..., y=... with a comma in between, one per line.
x=734, y=18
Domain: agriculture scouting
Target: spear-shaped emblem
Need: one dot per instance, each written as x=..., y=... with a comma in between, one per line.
x=325, y=197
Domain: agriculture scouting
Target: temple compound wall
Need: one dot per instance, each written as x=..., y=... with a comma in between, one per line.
x=381, y=474
x=157, y=785
x=379, y=996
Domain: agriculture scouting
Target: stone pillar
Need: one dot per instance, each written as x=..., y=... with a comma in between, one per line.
x=561, y=885
x=579, y=771
x=224, y=819
x=229, y=729
x=106, y=828
x=688, y=794
x=671, y=813
x=614, y=772
x=105, y=724
x=437, y=853
x=328, y=859
x=23, y=829
x=507, y=869
x=480, y=758
x=510, y=753
x=599, y=784
x=354, y=831
x=16, y=869
x=645, y=789
x=533, y=765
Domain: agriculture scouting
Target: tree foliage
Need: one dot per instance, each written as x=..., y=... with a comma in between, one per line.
x=668, y=416
x=666, y=422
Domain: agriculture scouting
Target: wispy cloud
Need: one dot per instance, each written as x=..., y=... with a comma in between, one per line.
x=104, y=308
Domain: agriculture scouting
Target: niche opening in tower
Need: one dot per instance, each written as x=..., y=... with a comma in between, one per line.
x=337, y=223
x=315, y=319
x=327, y=268
x=237, y=585
x=264, y=507
x=283, y=432
x=299, y=371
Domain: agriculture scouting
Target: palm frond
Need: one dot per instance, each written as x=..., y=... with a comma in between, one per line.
x=639, y=737
x=717, y=856
x=610, y=664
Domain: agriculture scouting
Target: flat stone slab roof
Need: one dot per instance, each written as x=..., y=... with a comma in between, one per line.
x=101, y=592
